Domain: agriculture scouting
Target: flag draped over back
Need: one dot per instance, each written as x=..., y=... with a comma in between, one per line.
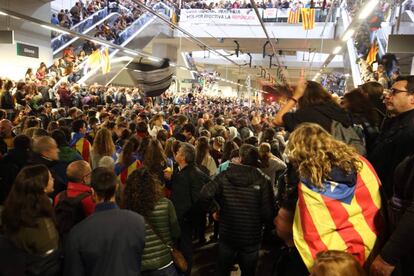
x=372, y=54
x=124, y=173
x=340, y=217
x=308, y=18
x=84, y=148
x=294, y=15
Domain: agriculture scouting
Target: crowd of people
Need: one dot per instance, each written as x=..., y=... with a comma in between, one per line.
x=269, y=4
x=111, y=180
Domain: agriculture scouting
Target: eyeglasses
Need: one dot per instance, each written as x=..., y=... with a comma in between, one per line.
x=395, y=91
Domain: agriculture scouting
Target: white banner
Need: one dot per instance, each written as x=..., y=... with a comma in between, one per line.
x=220, y=16
x=269, y=13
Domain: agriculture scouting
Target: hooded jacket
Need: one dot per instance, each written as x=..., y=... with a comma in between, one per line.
x=245, y=198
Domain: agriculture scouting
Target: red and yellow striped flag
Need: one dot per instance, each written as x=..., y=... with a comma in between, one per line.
x=84, y=148
x=339, y=217
x=294, y=15
x=308, y=18
x=127, y=171
x=372, y=54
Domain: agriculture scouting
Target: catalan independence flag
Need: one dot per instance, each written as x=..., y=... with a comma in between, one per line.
x=123, y=172
x=84, y=148
x=294, y=15
x=308, y=18
x=81, y=144
x=339, y=217
x=372, y=54
x=105, y=62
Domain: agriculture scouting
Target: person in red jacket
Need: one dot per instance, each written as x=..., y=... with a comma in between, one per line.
x=79, y=178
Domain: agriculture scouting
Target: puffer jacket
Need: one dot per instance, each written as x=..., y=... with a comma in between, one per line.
x=164, y=220
x=245, y=200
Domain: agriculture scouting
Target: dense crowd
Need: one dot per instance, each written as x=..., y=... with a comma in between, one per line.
x=110, y=180
x=278, y=4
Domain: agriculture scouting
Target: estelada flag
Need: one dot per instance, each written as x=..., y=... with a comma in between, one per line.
x=84, y=148
x=338, y=217
x=125, y=172
x=94, y=59
x=308, y=18
x=106, y=63
x=294, y=15
x=372, y=54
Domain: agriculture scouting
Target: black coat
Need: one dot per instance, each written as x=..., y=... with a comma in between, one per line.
x=393, y=145
x=56, y=168
x=109, y=242
x=10, y=166
x=186, y=187
x=246, y=201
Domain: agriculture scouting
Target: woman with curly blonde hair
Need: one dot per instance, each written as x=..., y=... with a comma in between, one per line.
x=103, y=145
x=339, y=200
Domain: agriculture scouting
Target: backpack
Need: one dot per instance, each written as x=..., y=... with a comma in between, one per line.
x=69, y=212
x=352, y=135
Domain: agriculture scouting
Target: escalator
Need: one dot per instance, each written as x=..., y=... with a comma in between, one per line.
x=86, y=26
x=136, y=36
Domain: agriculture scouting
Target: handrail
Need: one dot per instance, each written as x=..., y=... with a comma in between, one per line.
x=85, y=32
x=106, y=15
x=86, y=75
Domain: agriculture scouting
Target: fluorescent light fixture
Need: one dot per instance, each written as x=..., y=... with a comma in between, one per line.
x=173, y=64
x=348, y=35
x=54, y=29
x=368, y=9
x=3, y=13
x=347, y=75
x=337, y=50
x=153, y=59
x=130, y=52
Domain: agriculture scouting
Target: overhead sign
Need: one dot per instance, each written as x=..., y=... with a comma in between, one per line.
x=220, y=16
x=27, y=50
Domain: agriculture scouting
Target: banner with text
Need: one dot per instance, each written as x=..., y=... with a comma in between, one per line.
x=220, y=16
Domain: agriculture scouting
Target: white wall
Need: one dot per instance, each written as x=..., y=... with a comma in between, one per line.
x=58, y=5
x=12, y=65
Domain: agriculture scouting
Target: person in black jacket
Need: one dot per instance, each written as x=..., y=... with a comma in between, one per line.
x=245, y=202
x=109, y=242
x=186, y=186
x=397, y=252
x=46, y=152
x=395, y=141
x=315, y=105
x=12, y=163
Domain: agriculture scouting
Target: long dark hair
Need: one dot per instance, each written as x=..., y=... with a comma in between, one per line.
x=27, y=200
x=229, y=146
x=128, y=151
x=314, y=94
x=155, y=158
x=358, y=103
x=142, y=192
x=202, y=149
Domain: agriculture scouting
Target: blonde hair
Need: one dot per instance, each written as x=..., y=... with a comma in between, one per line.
x=103, y=143
x=315, y=152
x=336, y=263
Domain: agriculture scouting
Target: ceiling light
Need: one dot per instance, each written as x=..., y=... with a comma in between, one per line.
x=337, y=50
x=3, y=13
x=348, y=35
x=130, y=52
x=347, y=75
x=54, y=29
x=154, y=59
x=367, y=9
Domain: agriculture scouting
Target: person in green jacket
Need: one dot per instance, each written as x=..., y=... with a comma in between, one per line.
x=143, y=194
x=66, y=153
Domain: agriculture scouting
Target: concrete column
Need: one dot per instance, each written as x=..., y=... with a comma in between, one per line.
x=412, y=67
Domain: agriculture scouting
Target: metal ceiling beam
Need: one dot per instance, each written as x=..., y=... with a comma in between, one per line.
x=175, y=26
x=253, y=3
